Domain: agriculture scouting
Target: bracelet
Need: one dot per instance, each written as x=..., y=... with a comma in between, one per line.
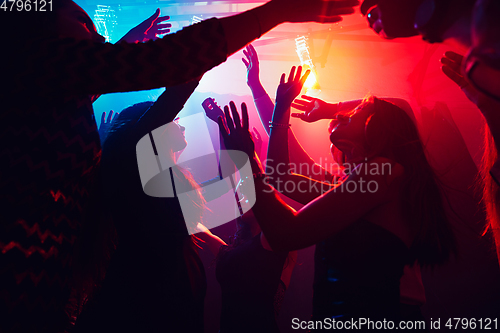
x=278, y=125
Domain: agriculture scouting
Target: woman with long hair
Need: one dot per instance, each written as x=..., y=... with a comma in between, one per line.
x=155, y=279
x=386, y=213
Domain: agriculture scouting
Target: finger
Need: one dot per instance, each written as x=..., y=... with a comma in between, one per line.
x=454, y=56
x=247, y=55
x=222, y=128
x=236, y=116
x=247, y=52
x=300, y=107
x=110, y=116
x=103, y=118
x=245, y=62
x=165, y=25
x=302, y=102
x=282, y=79
x=309, y=98
x=162, y=19
x=298, y=115
x=229, y=120
x=450, y=63
x=290, y=75
x=163, y=33
x=454, y=76
x=297, y=75
x=304, y=77
x=253, y=53
x=116, y=115
x=244, y=115
x=153, y=17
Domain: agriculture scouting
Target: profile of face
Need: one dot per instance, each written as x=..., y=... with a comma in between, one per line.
x=347, y=134
x=391, y=18
x=175, y=136
x=74, y=22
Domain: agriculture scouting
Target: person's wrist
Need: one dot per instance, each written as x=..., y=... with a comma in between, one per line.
x=332, y=110
x=281, y=112
x=257, y=89
x=255, y=165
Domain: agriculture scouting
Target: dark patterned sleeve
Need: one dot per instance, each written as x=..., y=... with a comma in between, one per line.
x=68, y=66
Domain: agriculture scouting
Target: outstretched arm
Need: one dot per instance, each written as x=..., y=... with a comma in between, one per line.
x=263, y=102
x=165, y=109
x=88, y=67
x=278, y=161
x=243, y=28
x=314, y=109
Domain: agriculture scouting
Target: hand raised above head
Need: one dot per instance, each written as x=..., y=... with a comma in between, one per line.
x=106, y=125
x=235, y=132
x=149, y=29
x=212, y=110
x=287, y=91
x=252, y=64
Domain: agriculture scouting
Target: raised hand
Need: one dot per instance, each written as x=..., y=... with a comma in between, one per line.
x=106, y=125
x=150, y=29
x=314, y=109
x=212, y=110
x=316, y=10
x=287, y=91
x=235, y=132
x=252, y=64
